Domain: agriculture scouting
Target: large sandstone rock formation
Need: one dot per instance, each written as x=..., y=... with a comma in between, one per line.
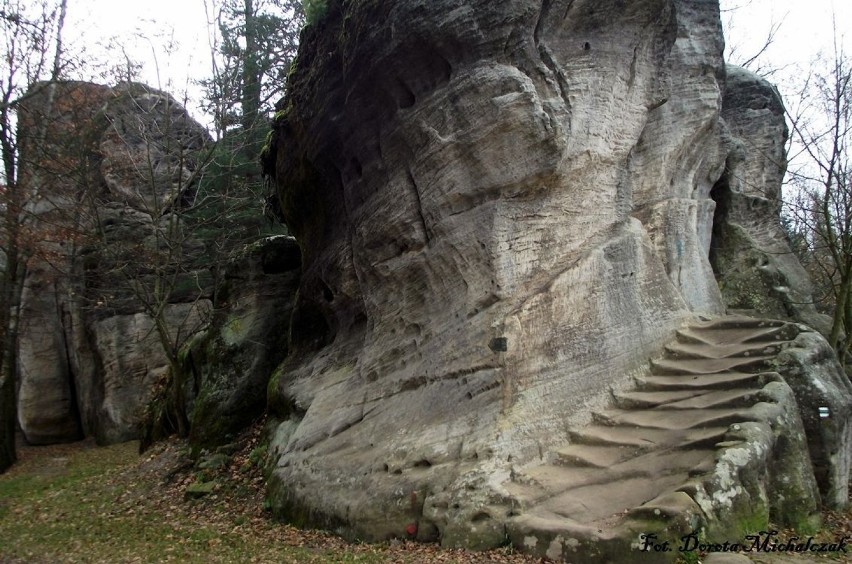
x=504, y=209
x=101, y=161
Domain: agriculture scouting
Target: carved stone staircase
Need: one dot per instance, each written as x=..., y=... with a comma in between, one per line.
x=642, y=466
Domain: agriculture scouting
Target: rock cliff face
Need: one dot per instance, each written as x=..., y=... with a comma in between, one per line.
x=504, y=208
x=97, y=161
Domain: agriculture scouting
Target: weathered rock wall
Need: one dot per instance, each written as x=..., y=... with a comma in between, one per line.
x=504, y=209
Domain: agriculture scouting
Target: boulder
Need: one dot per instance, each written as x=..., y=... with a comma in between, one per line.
x=53, y=133
x=504, y=209
x=246, y=341
x=47, y=404
x=756, y=270
x=824, y=398
x=133, y=363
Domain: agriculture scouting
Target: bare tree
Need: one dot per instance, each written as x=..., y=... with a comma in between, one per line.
x=173, y=216
x=821, y=175
x=32, y=44
x=753, y=58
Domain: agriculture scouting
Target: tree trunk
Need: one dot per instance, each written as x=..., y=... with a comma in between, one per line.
x=9, y=308
x=251, y=80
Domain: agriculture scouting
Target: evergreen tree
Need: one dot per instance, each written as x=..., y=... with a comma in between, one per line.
x=255, y=42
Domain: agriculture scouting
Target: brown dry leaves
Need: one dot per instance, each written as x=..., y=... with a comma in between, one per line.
x=140, y=505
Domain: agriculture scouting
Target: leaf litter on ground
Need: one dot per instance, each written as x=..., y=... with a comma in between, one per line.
x=82, y=503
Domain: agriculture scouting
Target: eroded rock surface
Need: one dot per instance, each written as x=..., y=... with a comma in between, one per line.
x=710, y=440
x=504, y=209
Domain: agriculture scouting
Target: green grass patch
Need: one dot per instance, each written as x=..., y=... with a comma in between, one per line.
x=77, y=503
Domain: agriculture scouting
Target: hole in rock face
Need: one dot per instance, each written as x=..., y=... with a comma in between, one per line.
x=285, y=259
x=423, y=464
x=327, y=294
x=308, y=326
x=405, y=98
x=587, y=46
x=481, y=516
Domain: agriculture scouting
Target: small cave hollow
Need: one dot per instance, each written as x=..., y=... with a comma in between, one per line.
x=721, y=195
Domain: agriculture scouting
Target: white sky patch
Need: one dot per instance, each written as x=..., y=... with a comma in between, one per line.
x=169, y=38
x=805, y=27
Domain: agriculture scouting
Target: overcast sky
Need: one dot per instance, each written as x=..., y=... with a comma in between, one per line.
x=170, y=37
x=805, y=27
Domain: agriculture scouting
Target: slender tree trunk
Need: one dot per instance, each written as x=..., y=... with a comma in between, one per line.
x=10, y=300
x=8, y=304
x=57, y=56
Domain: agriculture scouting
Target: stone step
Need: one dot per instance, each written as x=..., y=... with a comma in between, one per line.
x=550, y=482
x=704, y=381
x=594, y=456
x=603, y=435
x=635, y=399
x=550, y=479
x=720, y=337
x=671, y=419
x=738, y=322
x=736, y=397
x=679, y=350
x=666, y=366
x=596, y=502
x=686, y=399
x=640, y=464
x=623, y=486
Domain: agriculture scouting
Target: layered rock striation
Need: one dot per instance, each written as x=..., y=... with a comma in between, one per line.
x=504, y=209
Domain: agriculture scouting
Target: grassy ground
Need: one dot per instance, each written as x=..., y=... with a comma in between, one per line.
x=80, y=503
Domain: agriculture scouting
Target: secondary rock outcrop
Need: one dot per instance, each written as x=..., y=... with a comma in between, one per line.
x=504, y=210
x=247, y=339
x=754, y=266
x=102, y=168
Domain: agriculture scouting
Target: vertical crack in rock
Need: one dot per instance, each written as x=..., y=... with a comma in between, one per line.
x=548, y=59
x=561, y=82
x=632, y=80
x=419, y=206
